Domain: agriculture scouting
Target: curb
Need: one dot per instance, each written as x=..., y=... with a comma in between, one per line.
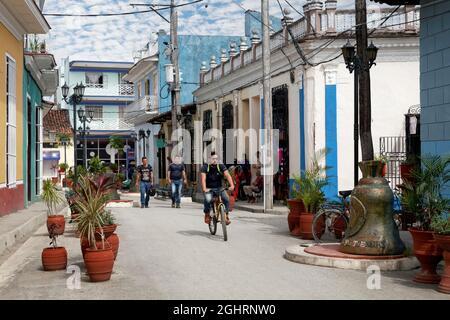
x=25, y=230
x=298, y=254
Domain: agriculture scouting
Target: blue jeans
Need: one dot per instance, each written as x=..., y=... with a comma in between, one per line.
x=145, y=192
x=208, y=199
x=177, y=186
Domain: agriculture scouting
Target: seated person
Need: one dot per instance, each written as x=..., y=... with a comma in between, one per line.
x=256, y=186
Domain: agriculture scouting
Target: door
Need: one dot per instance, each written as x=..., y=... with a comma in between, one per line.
x=29, y=144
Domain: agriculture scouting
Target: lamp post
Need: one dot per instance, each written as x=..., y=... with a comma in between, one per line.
x=144, y=135
x=75, y=98
x=354, y=64
x=83, y=119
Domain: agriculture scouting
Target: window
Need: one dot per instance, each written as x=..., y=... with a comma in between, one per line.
x=94, y=80
x=11, y=161
x=147, y=87
x=38, y=149
x=96, y=110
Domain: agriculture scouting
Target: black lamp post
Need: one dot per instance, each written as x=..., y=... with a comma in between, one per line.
x=83, y=119
x=75, y=98
x=144, y=135
x=354, y=63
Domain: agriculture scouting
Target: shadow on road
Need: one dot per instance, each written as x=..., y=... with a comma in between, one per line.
x=191, y=233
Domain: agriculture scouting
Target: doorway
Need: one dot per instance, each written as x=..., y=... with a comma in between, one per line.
x=280, y=103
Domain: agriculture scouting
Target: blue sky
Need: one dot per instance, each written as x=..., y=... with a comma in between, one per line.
x=115, y=38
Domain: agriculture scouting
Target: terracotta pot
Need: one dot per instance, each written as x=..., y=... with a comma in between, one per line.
x=428, y=254
x=443, y=242
x=99, y=264
x=107, y=231
x=295, y=208
x=232, y=201
x=384, y=171
x=405, y=171
x=113, y=240
x=54, y=258
x=57, y=224
x=306, y=220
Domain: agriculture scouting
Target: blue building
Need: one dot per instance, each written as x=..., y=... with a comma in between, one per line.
x=150, y=111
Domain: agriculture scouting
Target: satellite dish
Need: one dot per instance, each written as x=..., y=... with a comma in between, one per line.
x=110, y=151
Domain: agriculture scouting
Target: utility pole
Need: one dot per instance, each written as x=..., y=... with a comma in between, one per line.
x=268, y=143
x=365, y=112
x=174, y=55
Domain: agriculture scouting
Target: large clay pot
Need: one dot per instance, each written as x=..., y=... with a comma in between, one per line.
x=107, y=231
x=428, y=253
x=99, y=264
x=443, y=242
x=56, y=224
x=113, y=240
x=54, y=258
x=306, y=220
x=405, y=171
x=295, y=208
x=372, y=229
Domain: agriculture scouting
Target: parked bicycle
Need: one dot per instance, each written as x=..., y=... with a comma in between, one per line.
x=218, y=213
x=331, y=221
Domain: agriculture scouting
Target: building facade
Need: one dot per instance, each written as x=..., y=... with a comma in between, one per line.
x=106, y=97
x=17, y=19
x=312, y=100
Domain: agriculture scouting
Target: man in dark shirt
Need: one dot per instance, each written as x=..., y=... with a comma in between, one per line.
x=144, y=181
x=176, y=174
x=212, y=175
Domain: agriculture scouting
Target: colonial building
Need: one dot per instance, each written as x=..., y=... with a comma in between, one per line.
x=312, y=96
x=19, y=118
x=106, y=98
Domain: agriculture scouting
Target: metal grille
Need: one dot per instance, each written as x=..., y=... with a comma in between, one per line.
x=394, y=149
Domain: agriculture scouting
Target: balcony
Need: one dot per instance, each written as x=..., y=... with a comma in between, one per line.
x=136, y=112
x=126, y=89
x=110, y=125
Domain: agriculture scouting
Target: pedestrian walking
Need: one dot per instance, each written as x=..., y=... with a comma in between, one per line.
x=177, y=175
x=144, y=181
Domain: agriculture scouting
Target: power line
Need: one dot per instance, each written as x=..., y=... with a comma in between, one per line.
x=165, y=7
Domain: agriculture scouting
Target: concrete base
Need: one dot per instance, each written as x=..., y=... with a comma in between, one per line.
x=297, y=254
x=120, y=204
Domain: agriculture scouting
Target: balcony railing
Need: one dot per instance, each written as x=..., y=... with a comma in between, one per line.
x=138, y=107
x=110, y=124
x=126, y=89
x=95, y=85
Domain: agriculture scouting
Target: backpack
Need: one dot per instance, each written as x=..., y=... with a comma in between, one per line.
x=218, y=169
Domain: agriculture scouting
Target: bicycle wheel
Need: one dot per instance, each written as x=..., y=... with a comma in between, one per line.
x=329, y=225
x=223, y=220
x=213, y=223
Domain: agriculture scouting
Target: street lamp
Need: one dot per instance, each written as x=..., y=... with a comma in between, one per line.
x=354, y=63
x=75, y=98
x=144, y=135
x=83, y=119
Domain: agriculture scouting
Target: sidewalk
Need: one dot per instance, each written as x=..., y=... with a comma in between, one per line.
x=16, y=227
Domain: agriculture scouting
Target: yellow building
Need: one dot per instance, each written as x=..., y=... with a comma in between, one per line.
x=17, y=19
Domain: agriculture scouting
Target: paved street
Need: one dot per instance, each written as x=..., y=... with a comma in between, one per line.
x=168, y=253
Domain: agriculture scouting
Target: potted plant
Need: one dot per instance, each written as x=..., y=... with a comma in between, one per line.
x=91, y=202
x=54, y=257
x=308, y=187
x=383, y=159
x=408, y=166
x=441, y=227
x=422, y=194
x=109, y=227
x=63, y=167
x=53, y=198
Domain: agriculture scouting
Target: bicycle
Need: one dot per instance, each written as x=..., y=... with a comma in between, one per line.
x=331, y=221
x=218, y=213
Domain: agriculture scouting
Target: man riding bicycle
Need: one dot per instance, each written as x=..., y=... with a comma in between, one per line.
x=212, y=175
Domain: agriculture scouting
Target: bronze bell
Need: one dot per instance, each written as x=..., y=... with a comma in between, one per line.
x=372, y=229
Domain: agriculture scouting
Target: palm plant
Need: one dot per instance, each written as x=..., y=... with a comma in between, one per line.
x=424, y=194
x=308, y=186
x=92, y=197
x=95, y=166
x=51, y=196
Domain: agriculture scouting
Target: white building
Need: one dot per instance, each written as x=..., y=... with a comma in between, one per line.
x=313, y=100
x=106, y=97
